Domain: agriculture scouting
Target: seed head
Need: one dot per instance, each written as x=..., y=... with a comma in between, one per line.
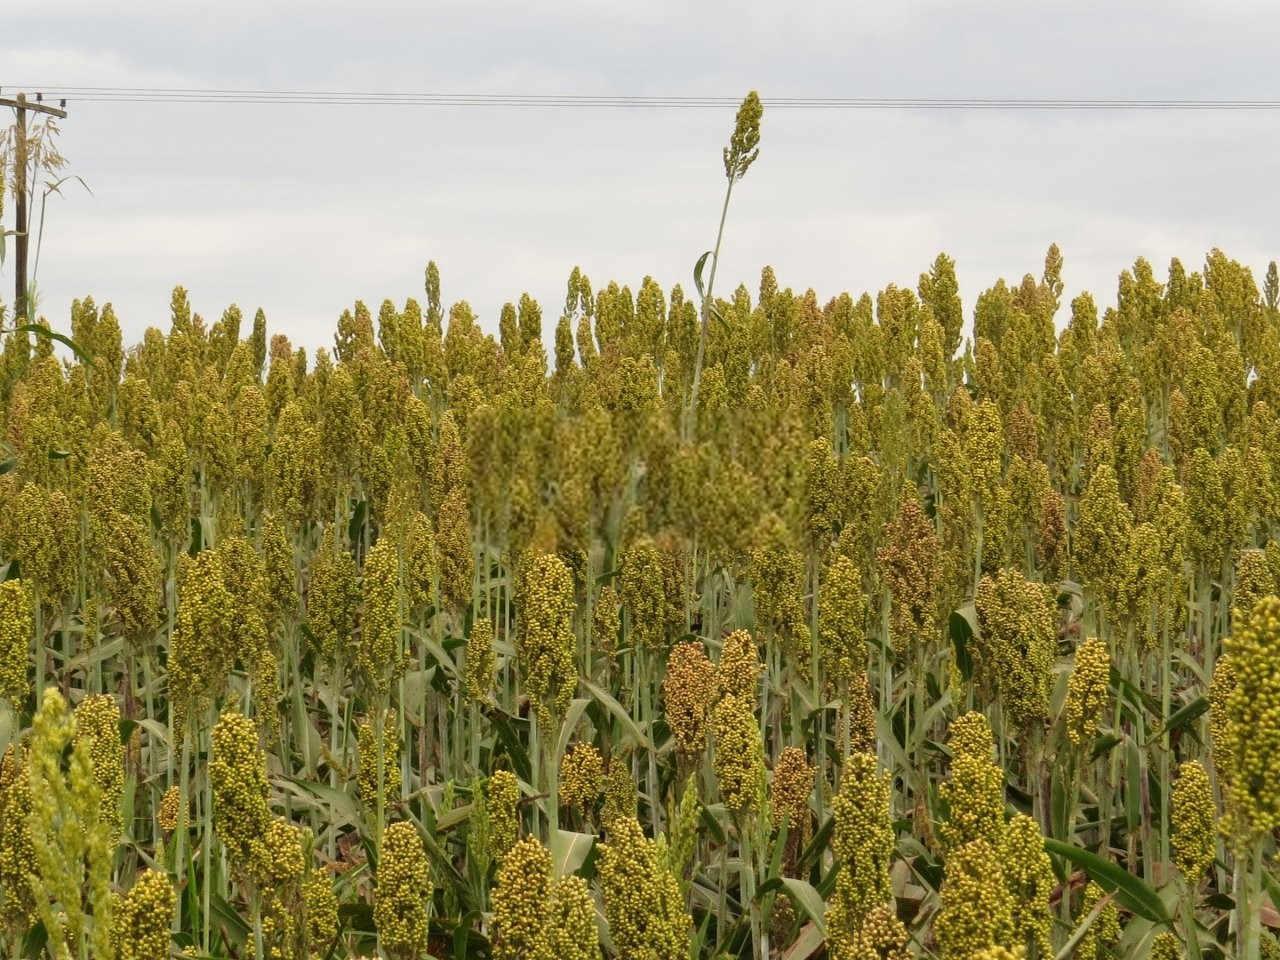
x=1028, y=876
x=581, y=776
x=792, y=783
x=738, y=672
x=480, y=661
x=863, y=844
x=546, y=639
x=1195, y=818
x=571, y=922
x=238, y=776
x=1104, y=934
x=910, y=562
x=16, y=630
x=144, y=917
x=1253, y=719
x=842, y=613
x=98, y=729
x=642, y=902
x=975, y=792
x=739, y=754
x=976, y=911
x=606, y=620
x=688, y=689
x=644, y=593
x=744, y=143
x=453, y=543
x=321, y=907
x=367, y=748
x=379, y=655
x=1166, y=946
x=1088, y=691
x=1220, y=687
x=170, y=808
x=620, y=793
x=17, y=903
x=502, y=793
x=521, y=901
x=1017, y=643
x=202, y=648
x=403, y=893
x=332, y=597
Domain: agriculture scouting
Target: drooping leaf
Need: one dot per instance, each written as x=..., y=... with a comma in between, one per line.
x=1132, y=893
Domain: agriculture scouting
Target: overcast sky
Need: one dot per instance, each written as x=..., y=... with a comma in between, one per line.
x=304, y=209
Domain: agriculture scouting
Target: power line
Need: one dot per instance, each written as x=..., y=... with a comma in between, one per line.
x=192, y=95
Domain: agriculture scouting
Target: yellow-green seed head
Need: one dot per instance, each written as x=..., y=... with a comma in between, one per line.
x=790, y=788
x=1017, y=643
x=546, y=640
x=17, y=905
x=1088, y=691
x=738, y=672
x=379, y=654
x=170, y=808
x=98, y=728
x=581, y=776
x=863, y=844
x=606, y=620
x=321, y=907
x=688, y=690
x=739, y=754
x=1166, y=946
x=1104, y=934
x=1028, y=876
x=402, y=893
x=16, y=631
x=367, y=749
x=502, y=793
x=975, y=791
x=238, y=776
x=144, y=918
x=521, y=901
x=1253, y=718
x=571, y=922
x=976, y=912
x=480, y=661
x=620, y=794
x=842, y=613
x=1195, y=816
x=642, y=901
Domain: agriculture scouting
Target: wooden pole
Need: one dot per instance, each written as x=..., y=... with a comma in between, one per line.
x=22, y=233
x=20, y=214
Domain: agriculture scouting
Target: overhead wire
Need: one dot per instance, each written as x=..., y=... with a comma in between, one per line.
x=193, y=95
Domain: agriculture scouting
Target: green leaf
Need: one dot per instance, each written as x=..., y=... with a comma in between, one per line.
x=568, y=725
x=504, y=726
x=803, y=895
x=569, y=851
x=1132, y=893
x=808, y=943
x=336, y=802
x=433, y=647
x=233, y=926
x=697, y=274
x=40, y=330
x=1184, y=716
x=605, y=699
x=1103, y=745
x=963, y=627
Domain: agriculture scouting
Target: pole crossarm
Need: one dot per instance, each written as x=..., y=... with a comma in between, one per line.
x=20, y=102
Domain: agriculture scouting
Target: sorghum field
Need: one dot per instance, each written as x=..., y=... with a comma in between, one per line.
x=831, y=631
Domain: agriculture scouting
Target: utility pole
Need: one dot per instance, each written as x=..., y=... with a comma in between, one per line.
x=21, y=105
